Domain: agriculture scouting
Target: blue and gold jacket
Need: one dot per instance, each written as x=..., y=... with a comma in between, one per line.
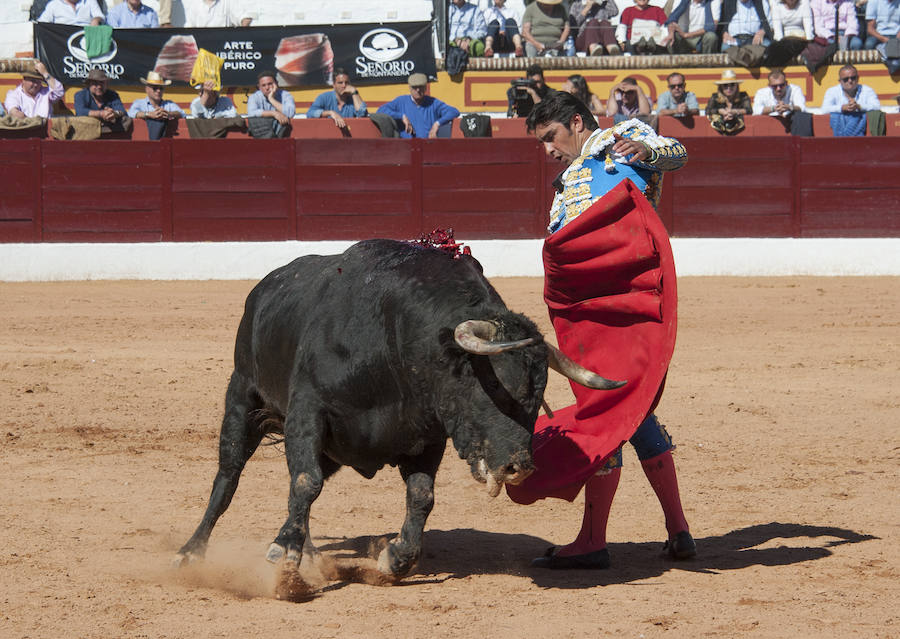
x=598, y=170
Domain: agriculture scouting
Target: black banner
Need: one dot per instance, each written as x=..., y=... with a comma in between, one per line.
x=301, y=55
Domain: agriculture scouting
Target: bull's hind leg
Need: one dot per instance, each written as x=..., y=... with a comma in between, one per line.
x=402, y=553
x=238, y=440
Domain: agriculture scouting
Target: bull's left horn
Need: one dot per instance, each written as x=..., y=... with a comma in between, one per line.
x=476, y=336
x=577, y=373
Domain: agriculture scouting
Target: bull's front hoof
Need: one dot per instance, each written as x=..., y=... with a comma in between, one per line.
x=185, y=558
x=291, y=586
x=275, y=553
x=390, y=563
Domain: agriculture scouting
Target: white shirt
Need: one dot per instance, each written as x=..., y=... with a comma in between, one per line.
x=697, y=15
x=222, y=13
x=765, y=97
x=509, y=10
x=792, y=23
x=865, y=97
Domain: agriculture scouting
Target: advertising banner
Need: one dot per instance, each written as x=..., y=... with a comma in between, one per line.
x=300, y=55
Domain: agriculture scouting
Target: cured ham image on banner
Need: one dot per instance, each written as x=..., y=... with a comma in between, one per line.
x=302, y=55
x=177, y=57
x=304, y=59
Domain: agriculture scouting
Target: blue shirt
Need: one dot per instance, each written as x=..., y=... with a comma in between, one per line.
x=886, y=14
x=257, y=103
x=144, y=106
x=121, y=17
x=746, y=20
x=422, y=117
x=328, y=101
x=59, y=12
x=223, y=108
x=466, y=22
x=84, y=102
x=666, y=101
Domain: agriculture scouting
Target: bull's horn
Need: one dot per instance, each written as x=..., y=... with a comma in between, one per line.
x=476, y=336
x=577, y=373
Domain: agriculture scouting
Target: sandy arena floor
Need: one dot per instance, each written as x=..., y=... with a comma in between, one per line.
x=782, y=397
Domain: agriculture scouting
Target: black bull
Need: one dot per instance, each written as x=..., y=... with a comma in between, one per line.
x=375, y=357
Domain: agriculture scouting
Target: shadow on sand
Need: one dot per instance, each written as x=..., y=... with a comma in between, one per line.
x=464, y=552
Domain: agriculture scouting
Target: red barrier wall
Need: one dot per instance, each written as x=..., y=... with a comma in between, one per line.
x=317, y=189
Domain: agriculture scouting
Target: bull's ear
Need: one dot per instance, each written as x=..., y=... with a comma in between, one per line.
x=451, y=352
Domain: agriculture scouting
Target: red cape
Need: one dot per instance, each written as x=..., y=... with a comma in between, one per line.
x=610, y=289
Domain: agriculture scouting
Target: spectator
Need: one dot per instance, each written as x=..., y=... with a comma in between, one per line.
x=849, y=102
x=270, y=108
x=155, y=110
x=217, y=13
x=545, y=27
x=627, y=100
x=883, y=28
x=210, y=105
x=785, y=101
x=522, y=98
x=467, y=27
x=792, y=29
x=421, y=115
x=341, y=102
x=677, y=101
x=503, y=27
x=132, y=14
x=848, y=24
x=692, y=26
x=641, y=30
x=100, y=102
x=746, y=22
x=728, y=105
x=31, y=99
x=595, y=35
x=74, y=12
x=2, y=110
x=578, y=86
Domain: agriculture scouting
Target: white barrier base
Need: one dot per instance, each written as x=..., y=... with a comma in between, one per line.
x=500, y=258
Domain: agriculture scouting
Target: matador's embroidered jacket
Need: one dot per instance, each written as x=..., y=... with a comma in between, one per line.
x=599, y=169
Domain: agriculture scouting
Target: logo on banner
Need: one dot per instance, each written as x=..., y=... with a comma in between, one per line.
x=383, y=45
x=76, y=48
x=381, y=50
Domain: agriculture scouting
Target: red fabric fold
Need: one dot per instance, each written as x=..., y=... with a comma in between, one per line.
x=610, y=289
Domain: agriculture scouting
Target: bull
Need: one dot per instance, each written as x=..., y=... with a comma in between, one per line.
x=374, y=357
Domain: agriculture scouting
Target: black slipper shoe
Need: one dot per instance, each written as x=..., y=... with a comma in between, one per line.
x=591, y=560
x=681, y=546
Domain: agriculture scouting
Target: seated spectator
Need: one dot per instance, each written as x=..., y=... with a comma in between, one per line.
x=132, y=14
x=503, y=29
x=883, y=28
x=641, y=29
x=155, y=110
x=31, y=99
x=848, y=24
x=677, y=101
x=74, y=12
x=521, y=99
x=341, y=102
x=2, y=110
x=728, y=105
x=578, y=86
x=99, y=102
x=692, y=26
x=594, y=34
x=545, y=28
x=466, y=27
x=210, y=105
x=217, y=13
x=849, y=102
x=418, y=115
x=785, y=101
x=627, y=100
x=270, y=109
x=792, y=29
x=746, y=22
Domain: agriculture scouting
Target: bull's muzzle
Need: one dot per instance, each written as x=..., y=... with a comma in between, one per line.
x=513, y=473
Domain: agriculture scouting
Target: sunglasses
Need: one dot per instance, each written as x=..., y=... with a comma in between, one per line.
x=730, y=85
x=778, y=86
x=677, y=86
x=850, y=78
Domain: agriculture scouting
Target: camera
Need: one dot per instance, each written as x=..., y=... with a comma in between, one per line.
x=520, y=102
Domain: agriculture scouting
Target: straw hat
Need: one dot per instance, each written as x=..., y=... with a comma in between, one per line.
x=728, y=77
x=33, y=75
x=549, y=1
x=155, y=79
